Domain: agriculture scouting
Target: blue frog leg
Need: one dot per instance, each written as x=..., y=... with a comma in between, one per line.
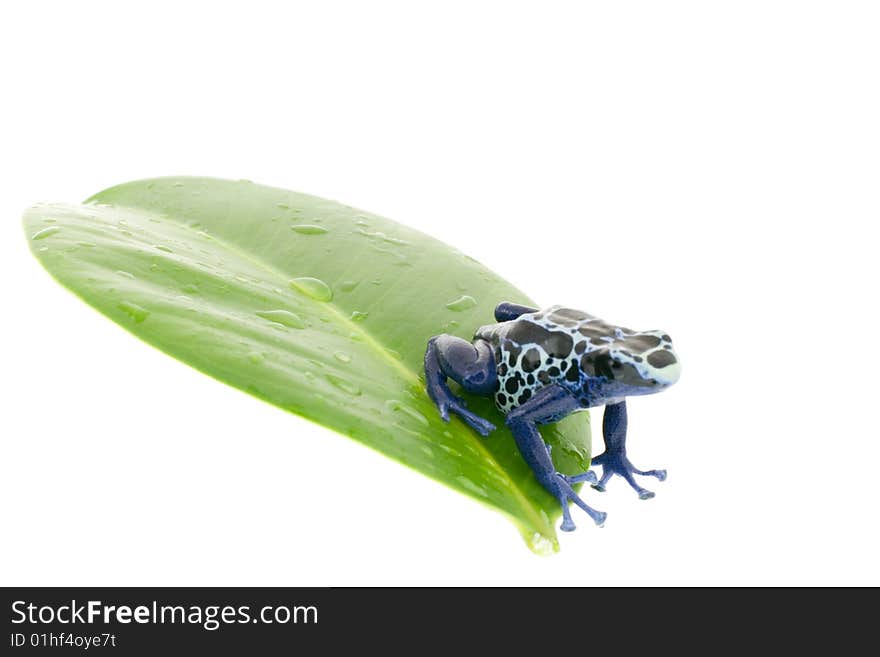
x=472, y=366
x=549, y=404
x=613, y=460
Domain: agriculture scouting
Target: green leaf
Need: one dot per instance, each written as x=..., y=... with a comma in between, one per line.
x=313, y=306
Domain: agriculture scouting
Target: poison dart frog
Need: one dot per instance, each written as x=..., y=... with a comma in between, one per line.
x=542, y=365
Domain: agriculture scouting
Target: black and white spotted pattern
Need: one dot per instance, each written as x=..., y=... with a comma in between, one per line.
x=578, y=351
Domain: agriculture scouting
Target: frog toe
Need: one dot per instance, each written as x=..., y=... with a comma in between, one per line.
x=588, y=477
x=478, y=424
x=474, y=421
x=606, y=475
x=660, y=474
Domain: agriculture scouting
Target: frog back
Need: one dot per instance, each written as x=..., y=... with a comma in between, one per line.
x=535, y=350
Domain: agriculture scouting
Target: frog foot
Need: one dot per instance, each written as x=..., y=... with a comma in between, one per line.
x=565, y=493
x=459, y=407
x=616, y=463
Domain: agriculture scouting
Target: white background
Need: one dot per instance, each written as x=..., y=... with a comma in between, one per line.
x=706, y=168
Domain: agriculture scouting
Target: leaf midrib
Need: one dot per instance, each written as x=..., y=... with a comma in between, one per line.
x=378, y=347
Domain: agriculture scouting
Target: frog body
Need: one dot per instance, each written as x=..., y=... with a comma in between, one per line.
x=542, y=365
x=574, y=349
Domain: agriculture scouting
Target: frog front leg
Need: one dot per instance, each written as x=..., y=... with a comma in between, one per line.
x=472, y=366
x=613, y=460
x=549, y=404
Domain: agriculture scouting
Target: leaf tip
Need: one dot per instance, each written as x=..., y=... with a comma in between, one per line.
x=541, y=544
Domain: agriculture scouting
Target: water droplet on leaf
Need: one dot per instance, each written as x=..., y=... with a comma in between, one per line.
x=284, y=317
x=46, y=232
x=308, y=229
x=450, y=450
x=312, y=287
x=136, y=312
x=463, y=302
x=473, y=487
x=399, y=407
x=359, y=316
x=540, y=544
x=380, y=236
x=344, y=384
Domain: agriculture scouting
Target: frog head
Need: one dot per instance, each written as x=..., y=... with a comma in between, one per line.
x=619, y=362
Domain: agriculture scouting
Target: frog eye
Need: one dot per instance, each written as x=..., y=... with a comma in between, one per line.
x=661, y=358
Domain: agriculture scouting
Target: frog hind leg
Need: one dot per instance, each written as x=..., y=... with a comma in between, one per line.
x=506, y=312
x=614, y=460
x=472, y=366
x=549, y=404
